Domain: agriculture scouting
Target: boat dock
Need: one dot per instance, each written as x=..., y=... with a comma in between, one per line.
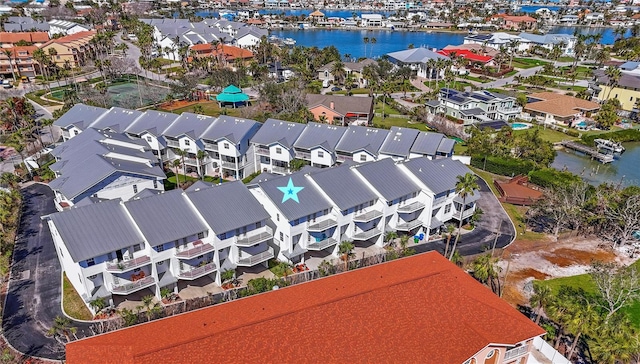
x=592, y=152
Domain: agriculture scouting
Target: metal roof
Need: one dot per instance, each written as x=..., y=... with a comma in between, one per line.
x=415, y=55
x=399, y=141
x=116, y=119
x=80, y=116
x=358, y=138
x=165, y=217
x=97, y=229
x=324, y=135
x=228, y=207
x=230, y=128
x=189, y=124
x=446, y=145
x=311, y=200
x=440, y=175
x=387, y=179
x=345, y=198
x=152, y=121
x=277, y=131
x=427, y=143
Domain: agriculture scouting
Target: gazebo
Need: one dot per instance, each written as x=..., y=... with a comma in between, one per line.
x=232, y=95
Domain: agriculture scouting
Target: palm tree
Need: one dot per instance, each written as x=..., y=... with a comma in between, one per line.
x=513, y=48
x=9, y=52
x=541, y=297
x=176, y=164
x=62, y=326
x=584, y=317
x=345, y=249
x=365, y=40
x=486, y=271
x=431, y=65
x=465, y=186
x=450, y=229
x=149, y=307
x=613, y=77
x=373, y=41
x=338, y=71
x=43, y=61
x=440, y=65
x=200, y=156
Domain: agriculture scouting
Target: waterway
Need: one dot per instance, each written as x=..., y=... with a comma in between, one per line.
x=622, y=170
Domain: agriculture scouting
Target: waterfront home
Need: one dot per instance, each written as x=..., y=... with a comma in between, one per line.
x=317, y=142
x=341, y=110
x=566, y=42
x=497, y=40
x=481, y=49
x=273, y=145
x=594, y=18
x=553, y=108
x=475, y=60
x=568, y=20
x=228, y=55
x=626, y=90
x=325, y=73
x=371, y=20
x=475, y=106
x=99, y=164
x=513, y=22
x=417, y=59
x=75, y=49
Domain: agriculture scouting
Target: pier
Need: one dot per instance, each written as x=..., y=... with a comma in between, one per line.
x=592, y=152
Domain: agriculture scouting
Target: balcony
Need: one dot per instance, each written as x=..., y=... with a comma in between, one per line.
x=322, y=225
x=255, y=259
x=440, y=200
x=128, y=288
x=254, y=237
x=509, y=110
x=197, y=250
x=303, y=155
x=262, y=151
x=366, y=235
x=467, y=213
x=368, y=216
x=231, y=165
x=173, y=143
x=127, y=265
x=197, y=272
x=66, y=134
x=408, y=226
x=279, y=170
x=412, y=207
x=322, y=244
x=343, y=158
x=211, y=146
x=516, y=352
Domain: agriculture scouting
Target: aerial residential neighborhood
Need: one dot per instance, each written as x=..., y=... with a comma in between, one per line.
x=270, y=180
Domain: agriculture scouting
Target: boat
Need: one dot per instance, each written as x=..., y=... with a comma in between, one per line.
x=289, y=41
x=609, y=145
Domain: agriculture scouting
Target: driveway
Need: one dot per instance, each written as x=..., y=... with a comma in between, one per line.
x=34, y=293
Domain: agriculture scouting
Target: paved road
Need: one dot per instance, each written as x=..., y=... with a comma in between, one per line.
x=34, y=295
x=134, y=53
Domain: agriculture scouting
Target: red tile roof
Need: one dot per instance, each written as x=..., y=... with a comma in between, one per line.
x=73, y=37
x=465, y=53
x=31, y=37
x=401, y=311
x=230, y=52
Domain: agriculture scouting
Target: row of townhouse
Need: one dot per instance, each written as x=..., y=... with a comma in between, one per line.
x=475, y=106
x=235, y=148
x=114, y=248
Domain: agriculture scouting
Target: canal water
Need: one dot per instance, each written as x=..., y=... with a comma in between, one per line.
x=625, y=169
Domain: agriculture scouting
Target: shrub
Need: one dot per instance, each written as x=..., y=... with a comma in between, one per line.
x=628, y=135
x=549, y=177
x=503, y=166
x=572, y=132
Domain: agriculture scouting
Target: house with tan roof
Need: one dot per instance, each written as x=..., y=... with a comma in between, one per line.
x=341, y=110
x=222, y=53
x=74, y=48
x=325, y=73
x=553, y=108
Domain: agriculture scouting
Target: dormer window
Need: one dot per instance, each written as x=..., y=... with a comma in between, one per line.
x=187, y=142
x=226, y=145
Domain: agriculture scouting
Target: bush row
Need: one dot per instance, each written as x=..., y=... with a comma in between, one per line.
x=503, y=166
x=549, y=177
x=628, y=135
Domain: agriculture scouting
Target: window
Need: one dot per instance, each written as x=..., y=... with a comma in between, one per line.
x=201, y=235
x=155, y=183
x=160, y=248
x=187, y=142
x=75, y=132
x=93, y=277
x=90, y=262
x=109, y=256
x=491, y=354
x=278, y=150
x=281, y=236
x=631, y=98
x=184, y=241
x=137, y=247
x=148, y=139
x=226, y=145
x=320, y=154
x=363, y=157
x=447, y=209
x=135, y=188
x=278, y=217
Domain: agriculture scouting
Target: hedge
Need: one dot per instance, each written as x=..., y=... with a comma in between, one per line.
x=628, y=135
x=549, y=177
x=503, y=166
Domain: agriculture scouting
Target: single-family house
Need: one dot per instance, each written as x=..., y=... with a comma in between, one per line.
x=341, y=110
x=553, y=108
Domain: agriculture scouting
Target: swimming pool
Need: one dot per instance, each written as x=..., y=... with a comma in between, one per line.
x=581, y=125
x=520, y=126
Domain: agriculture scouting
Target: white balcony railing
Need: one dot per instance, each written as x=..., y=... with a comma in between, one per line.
x=128, y=288
x=127, y=265
x=232, y=165
x=343, y=158
x=303, y=155
x=211, y=146
x=198, y=271
x=440, y=200
x=322, y=244
x=256, y=258
x=279, y=170
x=412, y=207
x=322, y=225
x=262, y=151
x=366, y=235
x=254, y=237
x=197, y=250
x=516, y=352
x=410, y=225
x=368, y=216
x=509, y=110
x=173, y=143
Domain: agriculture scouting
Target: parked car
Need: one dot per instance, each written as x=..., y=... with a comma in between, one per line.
x=24, y=79
x=336, y=88
x=7, y=83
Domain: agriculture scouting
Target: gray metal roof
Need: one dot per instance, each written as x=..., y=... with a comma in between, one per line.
x=80, y=115
x=189, y=124
x=165, y=217
x=97, y=229
x=427, y=143
x=228, y=207
x=152, y=121
x=278, y=131
x=472, y=111
x=438, y=175
x=199, y=185
x=415, y=55
x=345, y=198
x=324, y=135
x=387, y=179
x=311, y=200
x=116, y=119
x=399, y=141
x=358, y=138
x=446, y=146
x=230, y=128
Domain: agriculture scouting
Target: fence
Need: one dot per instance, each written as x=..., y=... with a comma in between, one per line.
x=549, y=352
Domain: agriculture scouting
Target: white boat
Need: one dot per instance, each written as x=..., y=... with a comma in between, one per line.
x=609, y=145
x=289, y=41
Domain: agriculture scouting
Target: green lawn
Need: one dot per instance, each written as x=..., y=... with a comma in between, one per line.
x=33, y=97
x=527, y=63
x=354, y=91
x=72, y=302
x=566, y=59
x=476, y=79
x=210, y=108
x=388, y=122
x=547, y=134
x=442, y=84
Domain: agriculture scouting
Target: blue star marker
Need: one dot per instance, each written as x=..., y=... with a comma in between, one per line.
x=290, y=191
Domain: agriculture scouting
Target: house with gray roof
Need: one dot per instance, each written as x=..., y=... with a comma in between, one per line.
x=398, y=143
x=150, y=127
x=273, y=145
x=417, y=59
x=103, y=164
x=77, y=119
x=116, y=119
x=566, y=42
x=360, y=144
x=475, y=106
x=427, y=144
x=317, y=144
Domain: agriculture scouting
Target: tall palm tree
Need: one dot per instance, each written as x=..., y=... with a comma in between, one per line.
x=449, y=229
x=584, y=317
x=200, y=156
x=431, y=65
x=373, y=41
x=338, y=71
x=513, y=48
x=365, y=40
x=43, y=61
x=466, y=185
x=9, y=53
x=176, y=164
x=541, y=297
x=613, y=77
x=486, y=271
